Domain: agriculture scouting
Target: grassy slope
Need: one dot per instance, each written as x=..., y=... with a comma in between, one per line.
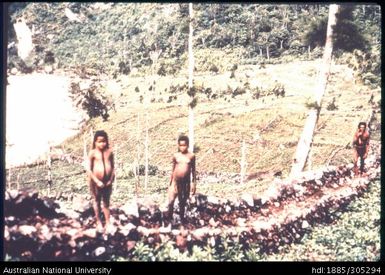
x=221, y=125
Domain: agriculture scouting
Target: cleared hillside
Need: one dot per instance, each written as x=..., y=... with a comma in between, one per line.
x=269, y=125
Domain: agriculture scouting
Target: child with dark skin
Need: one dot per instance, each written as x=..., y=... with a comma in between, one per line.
x=361, y=147
x=101, y=174
x=183, y=167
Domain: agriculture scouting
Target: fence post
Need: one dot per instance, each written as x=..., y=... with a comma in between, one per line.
x=243, y=161
x=9, y=178
x=49, y=166
x=18, y=182
x=116, y=164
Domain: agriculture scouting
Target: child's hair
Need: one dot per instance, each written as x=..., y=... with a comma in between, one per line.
x=100, y=133
x=361, y=123
x=184, y=138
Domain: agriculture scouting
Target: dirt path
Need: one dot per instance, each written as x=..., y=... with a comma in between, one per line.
x=38, y=112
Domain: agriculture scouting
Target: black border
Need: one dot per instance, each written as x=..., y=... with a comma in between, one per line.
x=183, y=267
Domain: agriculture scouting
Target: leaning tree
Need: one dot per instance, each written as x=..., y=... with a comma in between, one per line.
x=304, y=144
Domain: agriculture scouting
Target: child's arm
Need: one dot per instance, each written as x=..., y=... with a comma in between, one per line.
x=193, y=184
x=98, y=182
x=112, y=177
x=355, y=139
x=173, y=168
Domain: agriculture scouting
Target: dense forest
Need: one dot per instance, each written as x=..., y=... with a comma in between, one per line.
x=118, y=38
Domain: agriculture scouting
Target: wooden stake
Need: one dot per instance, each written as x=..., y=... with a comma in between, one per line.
x=18, y=182
x=9, y=178
x=243, y=161
x=49, y=166
x=137, y=175
x=116, y=162
x=146, y=155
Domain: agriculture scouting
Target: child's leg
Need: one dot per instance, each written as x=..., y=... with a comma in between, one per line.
x=106, y=194
x=355, y=168
x=96, y=201
x=183, y=194
x=362, y=164
x=172, y=193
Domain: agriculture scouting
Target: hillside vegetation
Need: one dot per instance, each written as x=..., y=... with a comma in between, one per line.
x=121, y=38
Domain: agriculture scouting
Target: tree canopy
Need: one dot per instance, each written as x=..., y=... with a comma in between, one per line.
x=116, y=37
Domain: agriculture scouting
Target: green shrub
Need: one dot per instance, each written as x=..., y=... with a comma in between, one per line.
x=332, y=105
x=312, y=105
x=214, y=68
x=92, y=100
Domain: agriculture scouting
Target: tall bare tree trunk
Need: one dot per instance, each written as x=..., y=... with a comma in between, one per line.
x=146, y=154
x=154, y=57
x=304, y=144
x=309, y=161
x=116, y=163
x=190, y=79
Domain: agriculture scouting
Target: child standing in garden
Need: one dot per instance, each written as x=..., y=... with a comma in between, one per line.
x=101, y=174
